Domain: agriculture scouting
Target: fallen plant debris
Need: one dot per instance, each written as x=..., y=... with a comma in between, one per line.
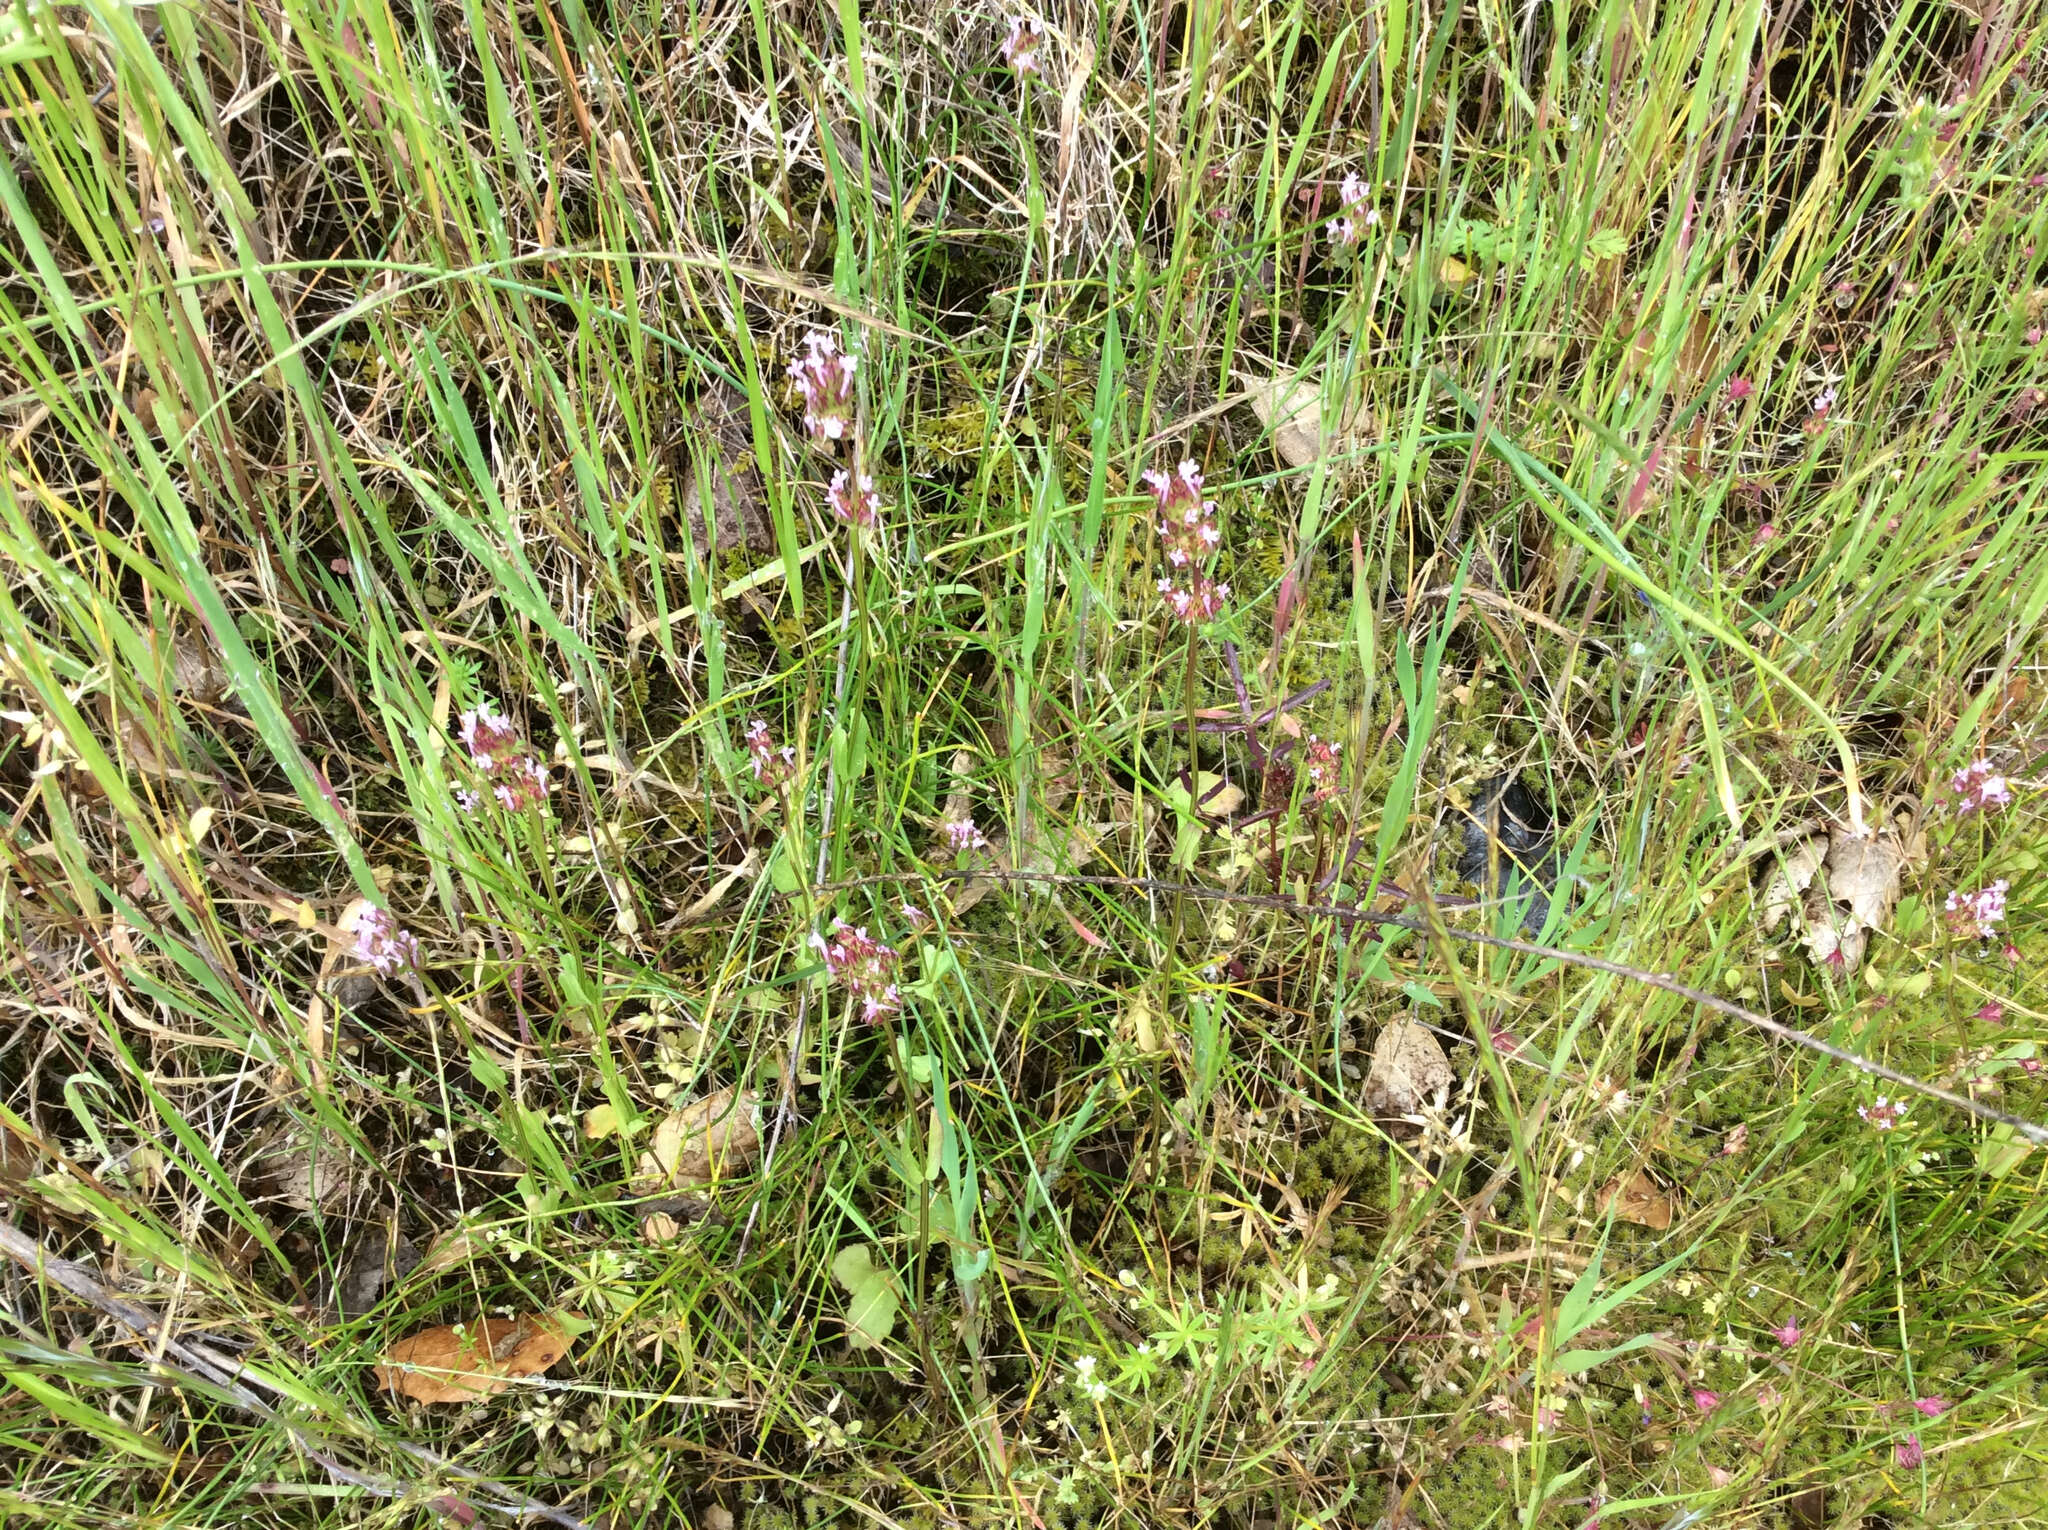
x=462, y=1362
x=1409, y=1070
x=716, y=1137
x=1636, y=1197
x=1838, y=888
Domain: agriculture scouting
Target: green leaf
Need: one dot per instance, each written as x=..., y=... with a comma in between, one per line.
x=1574, y=1361
x=1604, y=245
x=871, y=1297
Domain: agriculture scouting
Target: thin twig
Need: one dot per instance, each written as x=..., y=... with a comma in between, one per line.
x=1357, y=914
x=218, y=1374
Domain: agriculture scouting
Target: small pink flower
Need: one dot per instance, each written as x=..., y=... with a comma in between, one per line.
x=853, y=499
x=1322, y=768
x=1704, y=1400
x=1188, y=535
x=2010, y=952
x=488, y=735
x=1740, y=388
x=2030, y=1066
x=1885, y=1115
x=1547, y=1419
x=1908, y=1452
x=863, y=966
x=1767, y=532
x=1736, y=1140
x=1353, y=194
x=1789, y=1334
x=915, y=917
x=824, y=376
x=1992, y=1012
x=1020, y=48
x=382, y=943
x=773, y=767
x=1978, y=789
x=1932, y=1407
x=961, y=835
x=1975, y=913
x=515, y=774
x=1720, y=1476
x=1767, y=1396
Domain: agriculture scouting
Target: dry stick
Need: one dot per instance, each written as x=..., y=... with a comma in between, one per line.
x=1354, y=914
x=202, y=1363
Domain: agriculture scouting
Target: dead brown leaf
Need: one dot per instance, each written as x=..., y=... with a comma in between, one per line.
x=712, y=1138
x=1639, y=1201
x=1837, y=887
x=1408, y=1070
x=1291, y=406
x=464, y=1362
x=725, y=455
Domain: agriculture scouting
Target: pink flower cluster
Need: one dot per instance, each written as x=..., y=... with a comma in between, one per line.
x=1322, y=769
x=960, y=834
x=1020, y=48
x=1187, y=531
x=824, y=376
x=1356, y=216
x=1978, y=789
x=773, y=767
x=500, y=755
x=1977, y=913
x=382, y=943
x=1885, y=1115
x=853, y=499
x=864, y=967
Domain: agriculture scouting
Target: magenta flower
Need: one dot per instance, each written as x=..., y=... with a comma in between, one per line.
x=382, y=943
x=1789, y=1334
x=915, y=917
x=1991, y=1012
x=773, y=767
x=1908, y=1452
x=853, y=499
x=1978, y=789
x=1932, y=1407
x=1704, y=1400
x=1885, y=1115
x=1975, y=913
x=824, y=376
x=1188, y=535
x=864, y=967
x=1739, y=388
x=1020, y=48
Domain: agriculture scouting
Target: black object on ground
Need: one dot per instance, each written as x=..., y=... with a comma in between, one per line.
x=1510, y=848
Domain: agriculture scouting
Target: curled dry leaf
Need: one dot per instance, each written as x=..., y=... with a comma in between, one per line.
x=464, y=1362
x=1636, y=1198
x=1836, y=887
x=1408, y=1070
x=712, y=1138
x=1291, y=406
x=724, y=455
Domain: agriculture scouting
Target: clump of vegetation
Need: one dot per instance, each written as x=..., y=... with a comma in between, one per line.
x=753, y=765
